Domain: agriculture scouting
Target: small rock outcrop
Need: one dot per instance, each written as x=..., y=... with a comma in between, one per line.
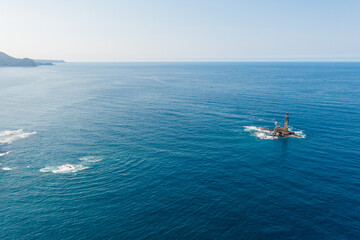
x=282, y=132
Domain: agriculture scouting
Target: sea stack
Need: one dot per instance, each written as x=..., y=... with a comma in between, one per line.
x=283, y=132
x=286, y=124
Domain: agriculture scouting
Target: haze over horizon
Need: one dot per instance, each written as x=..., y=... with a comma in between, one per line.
x=117, y=31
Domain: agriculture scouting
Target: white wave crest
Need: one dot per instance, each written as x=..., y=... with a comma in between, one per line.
x=91, y=159
x=5, y=153
x=260, y=132
x=6, y=169
x=66, y=168
x=264, y=135
x=300, y=133
x=251, y=128
x=8, y=136
x=9, y=132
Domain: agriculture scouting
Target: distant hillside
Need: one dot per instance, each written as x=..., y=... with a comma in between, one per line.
x=7, y=61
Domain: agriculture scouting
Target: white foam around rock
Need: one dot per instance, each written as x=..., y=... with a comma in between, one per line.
x=66, y=168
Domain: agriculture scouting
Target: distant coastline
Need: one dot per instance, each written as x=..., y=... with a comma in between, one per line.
x=8, y=61
x=47, y=61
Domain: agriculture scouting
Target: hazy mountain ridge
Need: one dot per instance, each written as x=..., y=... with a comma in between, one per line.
x=8, y=61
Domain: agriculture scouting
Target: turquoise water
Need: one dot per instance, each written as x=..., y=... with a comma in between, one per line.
x=161, y=151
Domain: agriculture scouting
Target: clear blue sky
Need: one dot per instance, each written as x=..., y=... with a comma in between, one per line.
x=194, y=30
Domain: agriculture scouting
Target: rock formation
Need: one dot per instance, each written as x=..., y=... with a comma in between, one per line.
x=282, y=132
x=286, y=123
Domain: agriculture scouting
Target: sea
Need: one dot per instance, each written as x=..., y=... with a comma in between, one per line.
x=176, y=151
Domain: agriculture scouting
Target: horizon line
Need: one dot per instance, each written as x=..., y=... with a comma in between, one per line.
x=212, y=61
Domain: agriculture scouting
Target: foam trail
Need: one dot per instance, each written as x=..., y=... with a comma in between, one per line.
x=260, y=133
x=263, y=135
x=8, y=136
x=3, y=154
x=91, y=159
x=9, y=132
x=86, y=162
x=66, y=168
x=251, y=128
x=298, y=132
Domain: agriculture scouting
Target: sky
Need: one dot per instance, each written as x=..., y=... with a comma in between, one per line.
x=182, y=30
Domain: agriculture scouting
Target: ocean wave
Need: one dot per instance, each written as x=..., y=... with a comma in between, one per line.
x=251, y=128
x=300, y=133
x=265, y=135
x=85, y=162
x=9, y=132
x=260, y=133
x=6, y=169
x=5, y=153
x=66, y=168
x=8, y=136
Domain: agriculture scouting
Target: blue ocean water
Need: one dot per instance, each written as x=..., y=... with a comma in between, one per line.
x=161, y=151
